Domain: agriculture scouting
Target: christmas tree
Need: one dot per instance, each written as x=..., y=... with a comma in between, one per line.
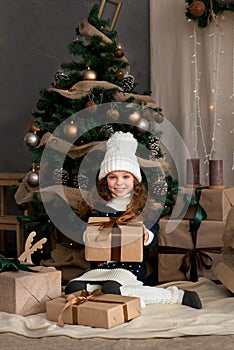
x=91, y=97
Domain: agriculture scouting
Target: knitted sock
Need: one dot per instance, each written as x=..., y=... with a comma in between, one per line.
x=74, y=286
x=191, y=299
x=111, y=287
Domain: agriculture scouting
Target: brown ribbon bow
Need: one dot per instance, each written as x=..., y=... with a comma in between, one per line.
x=72, y=299
x=194, y=259
x=105, y=228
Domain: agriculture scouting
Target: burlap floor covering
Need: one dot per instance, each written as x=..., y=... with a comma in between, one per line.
x=214, y=320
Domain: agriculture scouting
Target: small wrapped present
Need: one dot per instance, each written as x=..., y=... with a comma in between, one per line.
x=110, y=239
x=216, y=203
x=24, y=292
x=188, y=254
x=94, y=309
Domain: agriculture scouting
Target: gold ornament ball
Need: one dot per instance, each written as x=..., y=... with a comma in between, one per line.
x=197, y=8
x=112, y=114
x=34, y=126
x=134, y=117
x=91, y=105
x=70, y=130
x=89, y=74
x=143, y=125
x=119, y=74
x=119, y=52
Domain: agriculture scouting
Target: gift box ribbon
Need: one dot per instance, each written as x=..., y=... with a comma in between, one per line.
x=200, y=213
x=13, y=264
x=106, y=228
x=74, y=300
x=194, y=259
x=112, y=227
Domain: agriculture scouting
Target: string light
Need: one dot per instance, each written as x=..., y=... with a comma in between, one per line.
x=217, y=40
x=197, y=107
x=232, y=96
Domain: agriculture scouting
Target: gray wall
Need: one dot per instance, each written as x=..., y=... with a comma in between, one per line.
x=34, y=35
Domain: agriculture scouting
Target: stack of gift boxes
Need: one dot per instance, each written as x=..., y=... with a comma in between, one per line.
x=191, y=239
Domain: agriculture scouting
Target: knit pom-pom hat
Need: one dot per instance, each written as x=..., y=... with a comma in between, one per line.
x=120, y=155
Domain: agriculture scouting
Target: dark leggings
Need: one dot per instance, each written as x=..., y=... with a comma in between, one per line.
x=108, y=287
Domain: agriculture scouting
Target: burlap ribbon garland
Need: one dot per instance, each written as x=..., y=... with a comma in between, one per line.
x=72, y=299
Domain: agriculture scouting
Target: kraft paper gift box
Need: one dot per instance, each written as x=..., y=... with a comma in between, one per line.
x=26, y=293
x=199, y=256
x=102, y=311
x=216, y=203
x=121, y=243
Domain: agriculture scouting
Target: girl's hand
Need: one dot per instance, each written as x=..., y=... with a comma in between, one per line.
x=146, y=234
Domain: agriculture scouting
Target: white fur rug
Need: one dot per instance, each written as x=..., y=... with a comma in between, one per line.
x=164, y=321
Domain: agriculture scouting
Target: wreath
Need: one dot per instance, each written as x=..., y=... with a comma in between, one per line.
x=205, y=11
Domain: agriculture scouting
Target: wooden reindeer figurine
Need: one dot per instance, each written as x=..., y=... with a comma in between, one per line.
x=30, y=248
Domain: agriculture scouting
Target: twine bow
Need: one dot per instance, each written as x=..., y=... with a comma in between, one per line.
x=106, y=228
x=72, y=299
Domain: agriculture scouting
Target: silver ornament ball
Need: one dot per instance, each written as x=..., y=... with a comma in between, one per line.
x=158, y=117
x=33, y=178
x=31, y=139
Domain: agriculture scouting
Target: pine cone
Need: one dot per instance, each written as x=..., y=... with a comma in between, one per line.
x=159, y=188
x=128, y=82
x=154, y=145
x=80, y=181
x=61, y=176
x=107, y=129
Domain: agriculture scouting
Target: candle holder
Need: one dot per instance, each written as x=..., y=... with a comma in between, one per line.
x=216, y=174
x=193, y=172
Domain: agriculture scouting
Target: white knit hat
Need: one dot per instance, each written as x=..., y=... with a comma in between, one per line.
x=120, y=155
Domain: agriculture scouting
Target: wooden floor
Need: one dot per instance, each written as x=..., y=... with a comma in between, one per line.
x=13, y=342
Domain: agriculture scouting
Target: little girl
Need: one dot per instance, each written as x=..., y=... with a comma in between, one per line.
x=120, y=186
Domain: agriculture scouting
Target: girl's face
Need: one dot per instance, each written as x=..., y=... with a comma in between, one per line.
x=120, y=183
